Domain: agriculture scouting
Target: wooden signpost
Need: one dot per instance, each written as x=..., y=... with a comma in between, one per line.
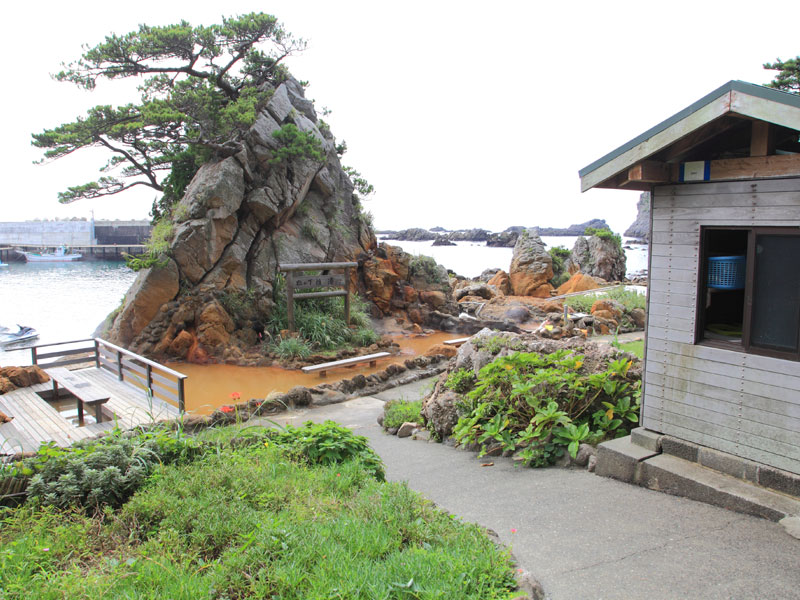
x=295, y=280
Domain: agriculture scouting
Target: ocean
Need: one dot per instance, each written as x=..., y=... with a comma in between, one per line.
x=470, y=259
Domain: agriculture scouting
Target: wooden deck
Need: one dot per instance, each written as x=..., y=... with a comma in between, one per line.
x=36, y=421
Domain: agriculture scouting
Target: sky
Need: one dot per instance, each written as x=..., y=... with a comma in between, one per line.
x=461, y=114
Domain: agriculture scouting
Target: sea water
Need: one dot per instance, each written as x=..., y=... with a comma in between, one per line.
x=470, y=259
x=63, y=301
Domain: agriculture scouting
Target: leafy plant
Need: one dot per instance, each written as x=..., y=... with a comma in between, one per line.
x=156, y=247
x=428, y=269
x=542, y=405
x=397, y=412
x=493, y=344
x=559, y=255
x=460, y=381
x=328, y=443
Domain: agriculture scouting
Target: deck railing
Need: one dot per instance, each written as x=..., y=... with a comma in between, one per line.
x=160, y=381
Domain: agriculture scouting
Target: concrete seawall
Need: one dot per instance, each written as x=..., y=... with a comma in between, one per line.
x=74, y=233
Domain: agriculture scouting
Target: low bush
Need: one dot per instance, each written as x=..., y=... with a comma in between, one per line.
x=428, y=269
x=461, y=381
x=544, y=405
x=629, y=299
x=397, y=412
x=326, y=444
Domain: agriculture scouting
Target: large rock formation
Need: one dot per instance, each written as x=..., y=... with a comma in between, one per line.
x=240, y=217
x=598, y=257
x=640, y=228
x=531, y=266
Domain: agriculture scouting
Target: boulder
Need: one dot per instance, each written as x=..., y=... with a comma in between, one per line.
x=179, y=347
x=577, y=283
x=476, y=289
x=639, y=318
x=299, y=396
x=446, y=350
x=214, y=326
x=598, y=257
x=531, y=266
x=607, y=309
x=22, y=377
x=640, y=228
x=152, y=289
x=406, y=429
x=501, y=281
x=440, y=413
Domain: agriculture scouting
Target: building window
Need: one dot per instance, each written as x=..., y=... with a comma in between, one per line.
x=750, y=290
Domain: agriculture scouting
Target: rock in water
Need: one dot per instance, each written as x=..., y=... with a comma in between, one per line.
x=598, y=257
x=640, y=228
x=240, y=217
x=531, y=267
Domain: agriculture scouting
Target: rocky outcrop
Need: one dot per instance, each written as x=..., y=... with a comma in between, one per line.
x=415, y=234
x=504, y=239
x=531, y=267
x=12, y=378
x=572, y=230
x=577, y=283
x=598, y=257
x=240, y=217
x=640, y=228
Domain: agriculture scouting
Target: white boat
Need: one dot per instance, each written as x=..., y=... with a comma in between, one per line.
x=61, y=254
x=24, y=334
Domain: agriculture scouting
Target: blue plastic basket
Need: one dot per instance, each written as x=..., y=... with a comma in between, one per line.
x=726, y=272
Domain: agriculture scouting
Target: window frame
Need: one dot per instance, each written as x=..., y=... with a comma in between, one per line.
x=747, y=316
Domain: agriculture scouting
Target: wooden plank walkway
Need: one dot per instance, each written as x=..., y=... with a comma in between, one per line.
x=36, y=421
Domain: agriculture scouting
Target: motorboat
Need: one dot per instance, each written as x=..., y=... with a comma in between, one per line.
x=23, y=334
x=61, y=254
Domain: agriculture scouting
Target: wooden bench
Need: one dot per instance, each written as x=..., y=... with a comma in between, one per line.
x=84, y=391
x=456, y=342
x=323, y=368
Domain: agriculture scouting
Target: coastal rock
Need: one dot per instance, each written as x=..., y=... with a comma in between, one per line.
x=442, y=241
x=598, y=257
x=640, y=228
x=504, y=239
x=242, y=216
x=531, y=267
x=502, y=282
x=152, y=288
x=577, y=283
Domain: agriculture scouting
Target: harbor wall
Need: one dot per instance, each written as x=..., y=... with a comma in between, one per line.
x=73, y=233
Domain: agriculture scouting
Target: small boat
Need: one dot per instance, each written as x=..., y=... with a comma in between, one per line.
x=61, y=254
x=24, y=334
x=2, y=264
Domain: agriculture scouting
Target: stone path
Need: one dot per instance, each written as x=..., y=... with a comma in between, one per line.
x=583, y=536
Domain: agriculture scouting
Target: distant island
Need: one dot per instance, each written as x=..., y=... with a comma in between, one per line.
x=503, y=239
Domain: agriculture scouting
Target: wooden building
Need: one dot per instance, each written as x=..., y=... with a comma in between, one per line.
x=722, y=363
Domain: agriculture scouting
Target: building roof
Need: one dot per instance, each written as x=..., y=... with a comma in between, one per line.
x=738, y=100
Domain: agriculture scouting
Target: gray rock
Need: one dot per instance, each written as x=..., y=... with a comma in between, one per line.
x=598, y=257
x=299, y=396
x=279, y=106
x=585, y=451
x=406, y=429
x=439, y=411
x=640, y=228
x=327, y=397
x=591, y=464
x=531, y=265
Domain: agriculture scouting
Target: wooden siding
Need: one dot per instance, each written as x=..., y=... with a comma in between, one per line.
x=744, y=404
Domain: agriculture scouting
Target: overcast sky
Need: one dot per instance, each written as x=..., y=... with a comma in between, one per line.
x=461, y=114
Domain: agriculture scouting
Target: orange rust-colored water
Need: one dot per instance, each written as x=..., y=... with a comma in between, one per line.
x=210, y=386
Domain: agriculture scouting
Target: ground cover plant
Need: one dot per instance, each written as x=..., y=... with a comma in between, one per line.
x=629, y=299
x=284, y=513
x=545, y=405
x=397, y=412
x=320, y=324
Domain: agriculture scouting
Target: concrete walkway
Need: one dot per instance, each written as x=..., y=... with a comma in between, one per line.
x=583, y=536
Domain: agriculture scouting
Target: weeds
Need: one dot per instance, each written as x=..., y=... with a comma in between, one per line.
x=397, y=412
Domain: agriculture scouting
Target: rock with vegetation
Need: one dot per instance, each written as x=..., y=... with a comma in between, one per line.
x=599, y=255
x=531, y=267
x=640, y=228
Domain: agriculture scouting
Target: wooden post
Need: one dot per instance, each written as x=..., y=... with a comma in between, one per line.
x=149, y=371
x=119, y=365
x=347, y=295
x=33, y=356
x=181, y=401
x=290, y=298
x=96, y=353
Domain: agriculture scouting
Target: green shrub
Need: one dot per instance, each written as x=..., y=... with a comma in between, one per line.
x=328, y=443
x=295, y=144
x=629, y=299
x=363, y=336
x=559, y=254
x=460, y=381
x=493, y=344
x=99, y=472
x=544, y=405
x=240, y=304
x=397, y=412
x=288, y=348
x=604, y=234
x=156, y=247
x=428, y=269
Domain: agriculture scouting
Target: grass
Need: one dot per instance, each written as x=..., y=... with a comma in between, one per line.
x=636, y=347
x=251, y=522
x=397, y=412
x=629, y=299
